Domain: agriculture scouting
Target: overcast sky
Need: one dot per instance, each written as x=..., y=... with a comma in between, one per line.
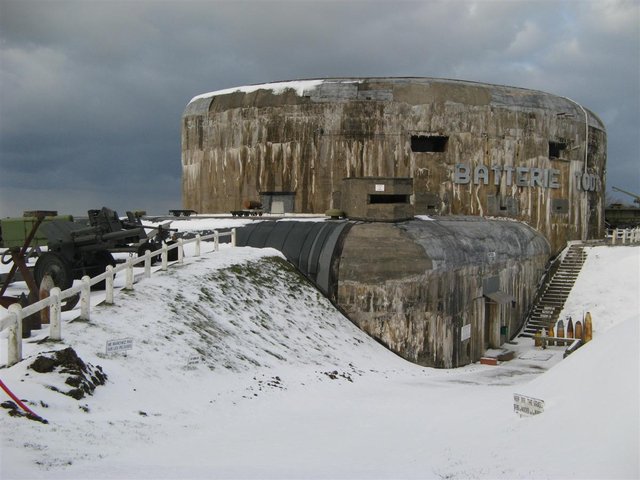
x=92, y=92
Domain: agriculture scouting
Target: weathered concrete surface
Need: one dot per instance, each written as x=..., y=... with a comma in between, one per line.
x=235, y=145
x=436, y=292
x=415, y=285
x=377, y=199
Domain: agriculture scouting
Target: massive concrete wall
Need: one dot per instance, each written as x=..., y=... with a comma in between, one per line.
x=436, y=292
x=471, y=149
x=439, y=293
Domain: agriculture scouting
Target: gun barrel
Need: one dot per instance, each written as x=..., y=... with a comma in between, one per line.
x=133, y=232
x=637, y=197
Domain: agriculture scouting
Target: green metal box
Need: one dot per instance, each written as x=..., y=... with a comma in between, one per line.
x=15, y=230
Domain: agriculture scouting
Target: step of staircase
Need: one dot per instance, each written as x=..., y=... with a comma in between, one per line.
x=544, y=310
x=552, y=299
x=557, y=292
x=564, y=287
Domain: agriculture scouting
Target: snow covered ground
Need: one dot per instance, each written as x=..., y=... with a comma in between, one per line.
x=240, y=369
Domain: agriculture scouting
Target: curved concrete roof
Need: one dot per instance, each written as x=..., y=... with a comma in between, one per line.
x=448, y=242
x=456, y=241
x=389, y=89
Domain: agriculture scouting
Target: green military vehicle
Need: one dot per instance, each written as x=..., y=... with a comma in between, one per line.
x=618, y=215
x=73, y=249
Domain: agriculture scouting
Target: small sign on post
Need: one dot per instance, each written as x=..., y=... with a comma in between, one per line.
x=528, y=406
x=193, y=362
x=465, y=332
x=119, y=345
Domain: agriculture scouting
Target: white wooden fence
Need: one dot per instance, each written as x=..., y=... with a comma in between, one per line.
x=13, y=320
x=624, y=235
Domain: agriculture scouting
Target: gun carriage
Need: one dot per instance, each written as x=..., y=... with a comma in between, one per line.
x=74, y=249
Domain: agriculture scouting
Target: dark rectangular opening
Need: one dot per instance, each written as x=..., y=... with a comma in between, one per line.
x=429, y=143
x=560, y=205
x=556, y=148
x=388, y=198
x=199, y=132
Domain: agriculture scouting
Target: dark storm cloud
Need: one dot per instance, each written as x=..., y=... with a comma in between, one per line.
x=91, y=93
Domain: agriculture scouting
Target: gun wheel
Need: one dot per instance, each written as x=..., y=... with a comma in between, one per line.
x=54, y=265
x=101, y=260
x=45, y=289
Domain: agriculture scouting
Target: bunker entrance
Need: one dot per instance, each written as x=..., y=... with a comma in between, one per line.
x=278, y=202
x=490, y=317
x=494, y=302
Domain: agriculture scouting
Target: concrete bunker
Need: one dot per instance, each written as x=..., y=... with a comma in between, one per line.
x=507, y=176
x=377, y=199
x=436, y=292
x=470, y=149
x=278, y=203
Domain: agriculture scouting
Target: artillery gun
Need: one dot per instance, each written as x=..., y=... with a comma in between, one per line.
x=636, y=198
x=74, y=249
x=251, y=208
x=618, y=215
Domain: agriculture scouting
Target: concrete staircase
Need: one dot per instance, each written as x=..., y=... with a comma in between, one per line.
x=547, y=308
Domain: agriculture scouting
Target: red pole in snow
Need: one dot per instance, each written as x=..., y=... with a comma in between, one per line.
x=20, y=403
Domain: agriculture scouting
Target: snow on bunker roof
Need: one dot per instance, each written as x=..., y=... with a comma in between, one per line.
x=276, y=87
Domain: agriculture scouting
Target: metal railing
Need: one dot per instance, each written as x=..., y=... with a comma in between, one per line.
x=16, y=313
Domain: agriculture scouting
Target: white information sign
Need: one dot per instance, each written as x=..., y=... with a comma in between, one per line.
x=119, y=345
x=527, y=405
x=379, y=187
x=193, y=362
x=465, y=332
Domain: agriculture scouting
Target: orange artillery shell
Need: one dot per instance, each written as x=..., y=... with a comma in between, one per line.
x=537, y=339
x=579, y=330
x=560, y=334
x=551, y=342
x=570, y=328
x=588, y=328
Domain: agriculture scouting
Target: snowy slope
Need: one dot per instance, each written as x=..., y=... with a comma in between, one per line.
x=240, y=369
x=608, y=287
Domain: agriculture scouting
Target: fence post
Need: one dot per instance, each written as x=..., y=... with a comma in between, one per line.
x=109, y=286
x=165, y=256
x=129, y=284
x=233, y=237
x=197, y=245
x=14, y=340
x=614, y=234
x=180, y=251
x=147, y=263
x=55, y=327
x=46, y=284
x=216, y=241
x=85, y=299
